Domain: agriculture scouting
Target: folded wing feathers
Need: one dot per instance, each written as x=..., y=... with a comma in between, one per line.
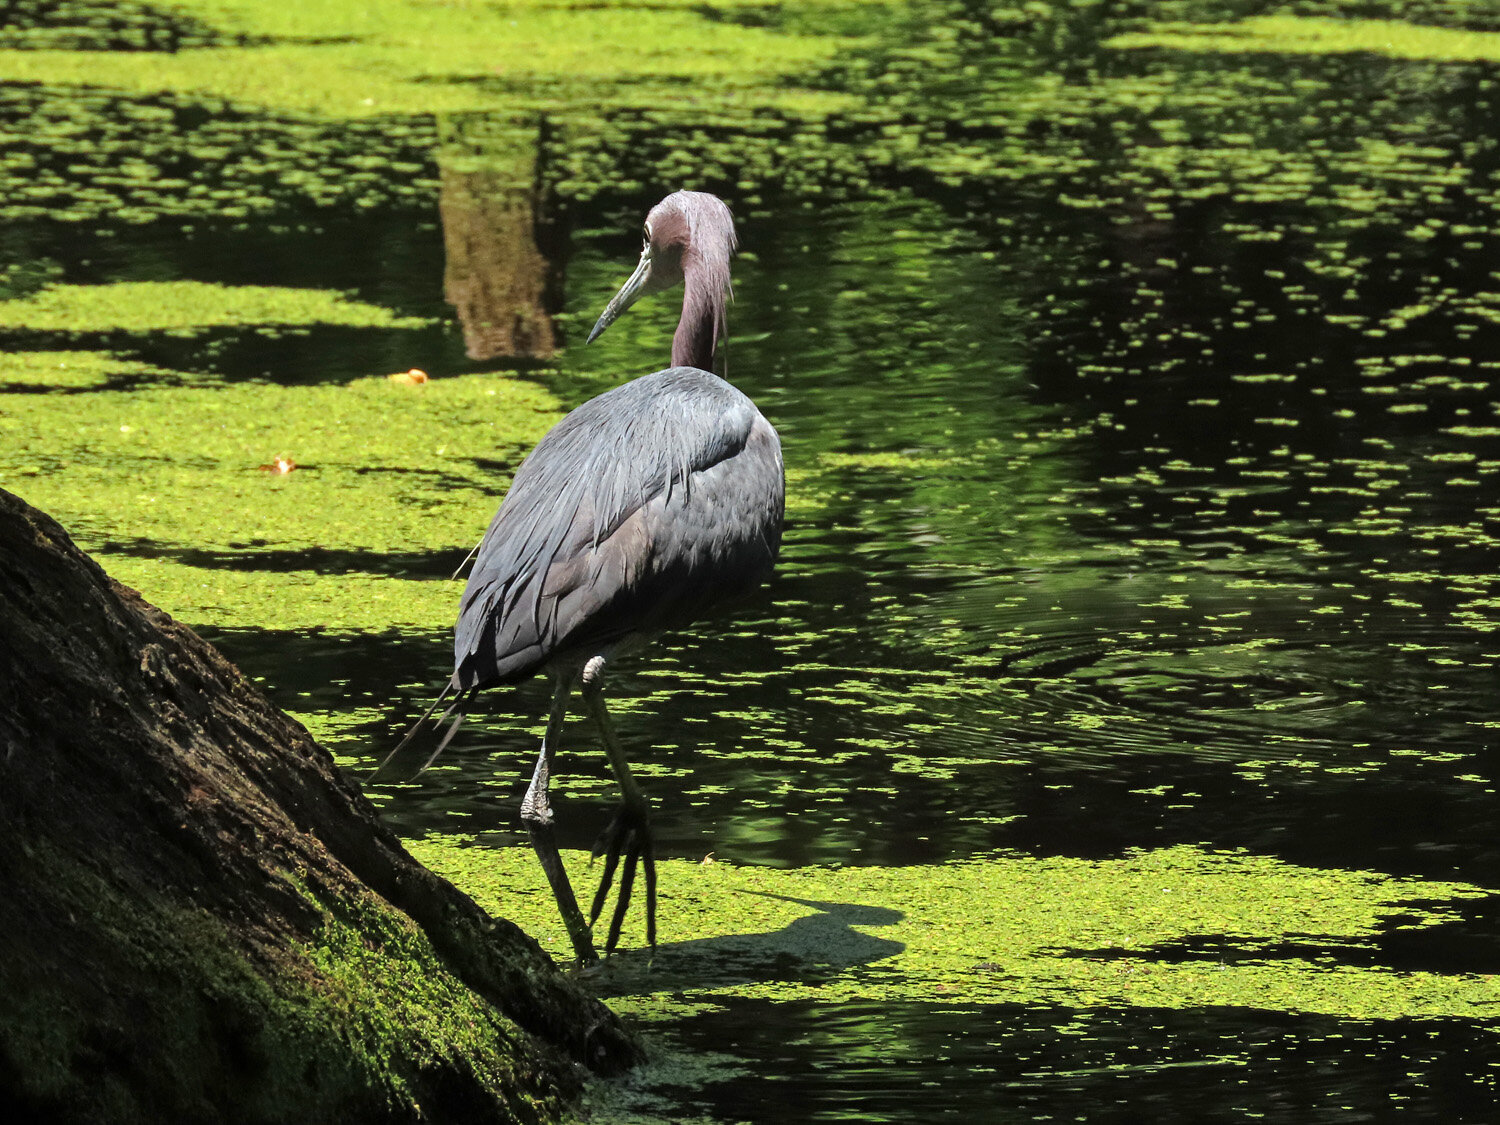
x=590, y=474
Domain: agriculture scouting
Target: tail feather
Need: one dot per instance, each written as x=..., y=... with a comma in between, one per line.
x=460, y=703
x=467, y=560
x=433, y=706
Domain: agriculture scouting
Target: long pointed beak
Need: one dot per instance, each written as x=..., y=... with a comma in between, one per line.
x=625, y=297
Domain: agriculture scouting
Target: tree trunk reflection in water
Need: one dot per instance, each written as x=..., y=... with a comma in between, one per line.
x=496, y=275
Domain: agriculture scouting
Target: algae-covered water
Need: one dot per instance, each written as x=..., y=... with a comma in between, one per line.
x=1117, y=741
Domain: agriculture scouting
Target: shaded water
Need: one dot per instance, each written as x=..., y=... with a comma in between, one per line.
x=995, y=600
x=1140, y=418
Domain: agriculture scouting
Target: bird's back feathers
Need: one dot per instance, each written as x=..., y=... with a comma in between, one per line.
x=635, y=512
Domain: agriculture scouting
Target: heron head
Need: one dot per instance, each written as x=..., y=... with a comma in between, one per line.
x=688, y=235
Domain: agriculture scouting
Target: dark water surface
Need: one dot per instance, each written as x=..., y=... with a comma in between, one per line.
x=1169, y=518
x=1143, y=441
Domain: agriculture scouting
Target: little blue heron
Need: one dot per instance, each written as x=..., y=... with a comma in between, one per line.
x=636, y=513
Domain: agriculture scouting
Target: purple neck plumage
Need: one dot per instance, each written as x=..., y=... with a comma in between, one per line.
x=702, y=323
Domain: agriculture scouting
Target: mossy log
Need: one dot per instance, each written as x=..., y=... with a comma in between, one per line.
x=202, y=920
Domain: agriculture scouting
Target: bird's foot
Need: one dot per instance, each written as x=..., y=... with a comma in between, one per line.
x=628, y=836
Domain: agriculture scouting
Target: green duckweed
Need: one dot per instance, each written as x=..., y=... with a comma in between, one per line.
x=1291, y=34
x=177, y=306
x=1007, y=928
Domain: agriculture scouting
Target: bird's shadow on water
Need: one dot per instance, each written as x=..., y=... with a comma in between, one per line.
x=811, y=949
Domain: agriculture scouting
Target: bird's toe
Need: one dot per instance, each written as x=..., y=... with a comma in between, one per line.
x=626, y=845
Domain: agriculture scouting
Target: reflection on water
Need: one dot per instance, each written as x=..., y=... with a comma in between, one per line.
x=1140, y=418
x=495, y=276
x=1006, y=1062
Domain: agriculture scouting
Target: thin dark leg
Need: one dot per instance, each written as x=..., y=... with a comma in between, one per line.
x=630, y=831
x=536, y=814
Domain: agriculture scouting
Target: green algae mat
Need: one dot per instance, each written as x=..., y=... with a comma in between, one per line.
x=351, y=58
x=1009, y=928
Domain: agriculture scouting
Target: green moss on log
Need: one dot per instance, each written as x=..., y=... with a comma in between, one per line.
x=205, y=921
